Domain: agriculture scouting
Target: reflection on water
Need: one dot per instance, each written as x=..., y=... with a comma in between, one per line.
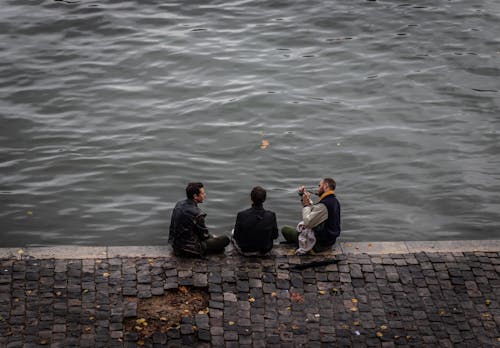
x=109, y=109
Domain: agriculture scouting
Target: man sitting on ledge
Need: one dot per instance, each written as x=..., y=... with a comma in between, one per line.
x=321, y=222
x=255, y=228
x=189, y=235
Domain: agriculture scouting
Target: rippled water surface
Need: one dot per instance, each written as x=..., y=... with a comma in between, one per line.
x=109, y=108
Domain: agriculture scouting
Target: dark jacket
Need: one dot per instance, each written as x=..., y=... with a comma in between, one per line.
x=187, y=228
x=255, y=229
x=328, y=231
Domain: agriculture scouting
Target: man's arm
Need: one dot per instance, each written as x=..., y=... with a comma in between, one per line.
x=199, y=226
x=237, y=229
x=275, y=227
x=171, y=232
x=313, y=215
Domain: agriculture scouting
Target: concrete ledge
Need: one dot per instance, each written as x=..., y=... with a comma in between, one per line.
x=139, y=251
x=11, y=253
x=375, y=248
x=66, y=252
x=372, y=248
x=454, y=246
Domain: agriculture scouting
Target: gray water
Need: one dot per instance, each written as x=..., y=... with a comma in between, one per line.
x=108, y=109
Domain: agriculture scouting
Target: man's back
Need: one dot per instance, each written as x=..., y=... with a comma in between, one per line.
x=255, y=229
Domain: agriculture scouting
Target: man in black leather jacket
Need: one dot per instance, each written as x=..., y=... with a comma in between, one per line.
x=189, y=235
x=256, y=227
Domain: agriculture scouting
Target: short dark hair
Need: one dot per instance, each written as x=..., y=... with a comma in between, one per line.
x=331, y=183
x=258, y=195
x=193, y=188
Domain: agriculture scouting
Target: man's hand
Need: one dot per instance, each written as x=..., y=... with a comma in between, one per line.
x=301, y=190
x=306, y=199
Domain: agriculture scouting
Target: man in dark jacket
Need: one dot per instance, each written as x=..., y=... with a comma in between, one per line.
x=323, y=217
x=256, y=227
x=189, y=235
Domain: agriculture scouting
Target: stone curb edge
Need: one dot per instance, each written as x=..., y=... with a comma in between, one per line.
x=373, y=248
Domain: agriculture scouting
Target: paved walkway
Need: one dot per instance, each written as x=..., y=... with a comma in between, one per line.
x=413, y=294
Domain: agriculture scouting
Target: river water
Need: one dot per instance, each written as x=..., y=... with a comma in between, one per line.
x=108, y=109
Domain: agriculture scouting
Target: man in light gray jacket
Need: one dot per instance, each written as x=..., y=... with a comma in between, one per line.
x=323, y=217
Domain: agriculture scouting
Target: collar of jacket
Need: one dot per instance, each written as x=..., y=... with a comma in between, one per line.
x=258, y=206
x=327, y=193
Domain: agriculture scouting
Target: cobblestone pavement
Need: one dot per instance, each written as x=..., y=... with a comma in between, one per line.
x=413, y=300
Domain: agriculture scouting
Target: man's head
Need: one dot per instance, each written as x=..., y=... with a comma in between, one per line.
x=195, y=191
x=326, y=184
x=258, y=195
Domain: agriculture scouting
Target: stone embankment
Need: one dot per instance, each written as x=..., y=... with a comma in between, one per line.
x=412, y=294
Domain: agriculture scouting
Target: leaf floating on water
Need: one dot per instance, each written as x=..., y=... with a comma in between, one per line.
x=273, y=294
x=251, y=299
x=354, y=300
x=322, y=292
x=354, y=309
x=442, y=312
x=380, y=334
x=264, y=144
x=383, y=327
x=29, y=212
x=487, y=302
x=105, y=274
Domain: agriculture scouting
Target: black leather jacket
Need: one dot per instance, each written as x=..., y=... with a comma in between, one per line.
x=187, y=228
x=255, y=229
